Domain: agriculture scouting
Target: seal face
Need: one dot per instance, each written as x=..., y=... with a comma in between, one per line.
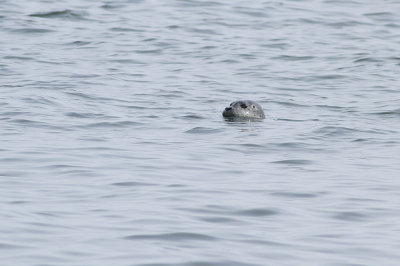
x=244, y=109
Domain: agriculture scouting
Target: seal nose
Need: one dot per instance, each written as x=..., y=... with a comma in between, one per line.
x=228, y=108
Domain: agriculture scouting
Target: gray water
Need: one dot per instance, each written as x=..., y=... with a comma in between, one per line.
x=114, y=150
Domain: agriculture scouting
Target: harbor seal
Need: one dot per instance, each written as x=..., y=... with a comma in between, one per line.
x=244, y=109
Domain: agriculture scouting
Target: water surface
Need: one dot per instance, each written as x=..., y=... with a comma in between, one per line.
x=114, y=150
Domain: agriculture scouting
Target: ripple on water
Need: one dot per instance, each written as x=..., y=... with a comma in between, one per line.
x=32, y=30
x=257, y=212
x=288, y=194
x=180, y=236
x=351, y=216
x=132, y=184
x=63, y=14
x=203, y=130
x=203, y=263
x=294, y=162
x=112, y=125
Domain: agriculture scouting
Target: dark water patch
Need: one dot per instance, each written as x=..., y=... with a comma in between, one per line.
x=88, y=115
x=230, y=61
x=294, y=162
x=132, y=184
x=114, y=125
x=22, y=58
x=217, y=263
x=214, y=219
x=380, y=15
x=367, y=60
x=358, y=199
x=326, y=77
x=192, y=117
x=15, y=113
x=173, y=27
x=181, y=236
x=389, y=113
x=4, y=246
x=260, y=212
x=18, y=202
x=203, y=130
x=129, y=61
x=252, y=145
x=279, y=45
x=202, y=263
x=63, y=14
x=121, y=29
x=203, y=31
x=361, y=140
x=294, y=194
x=293, y=58
x=111, y=6
x=78, y=43
x=351, y=216
x=149, y=51
x=60, y=166
x=346, y=24
x=32, y=31
x=14, y=173
x=198, y=3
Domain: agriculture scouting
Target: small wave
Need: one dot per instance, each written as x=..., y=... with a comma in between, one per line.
x=201, y=263
x=199, y=3
x=64, y=14
x=294, y=194
x=120, y=29
x=257, y=212
x=336, y=131
x=181, y=236
x=23, y=58
x=10, y=246
x=131, y=184
x=218, y=220
x=294, y=162
x=117, y=124
x=351, y=216
x=294, y=58
x=202, y=130
x=32, y=30
x=149, y=51
x=78, y=43
x=191, y=117
x=367, y=60
x=395, y=112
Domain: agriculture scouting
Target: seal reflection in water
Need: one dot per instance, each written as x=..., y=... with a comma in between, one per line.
x=244, y=109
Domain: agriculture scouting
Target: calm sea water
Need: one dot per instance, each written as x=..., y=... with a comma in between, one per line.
x=114, y=150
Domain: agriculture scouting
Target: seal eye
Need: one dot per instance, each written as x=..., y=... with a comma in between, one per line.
x=243, y=105
x=254, y=106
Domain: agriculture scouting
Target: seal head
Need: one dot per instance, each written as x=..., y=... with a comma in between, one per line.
x=244, y=109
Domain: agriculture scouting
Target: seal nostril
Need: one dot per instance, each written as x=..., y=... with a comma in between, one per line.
x=228, y=108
